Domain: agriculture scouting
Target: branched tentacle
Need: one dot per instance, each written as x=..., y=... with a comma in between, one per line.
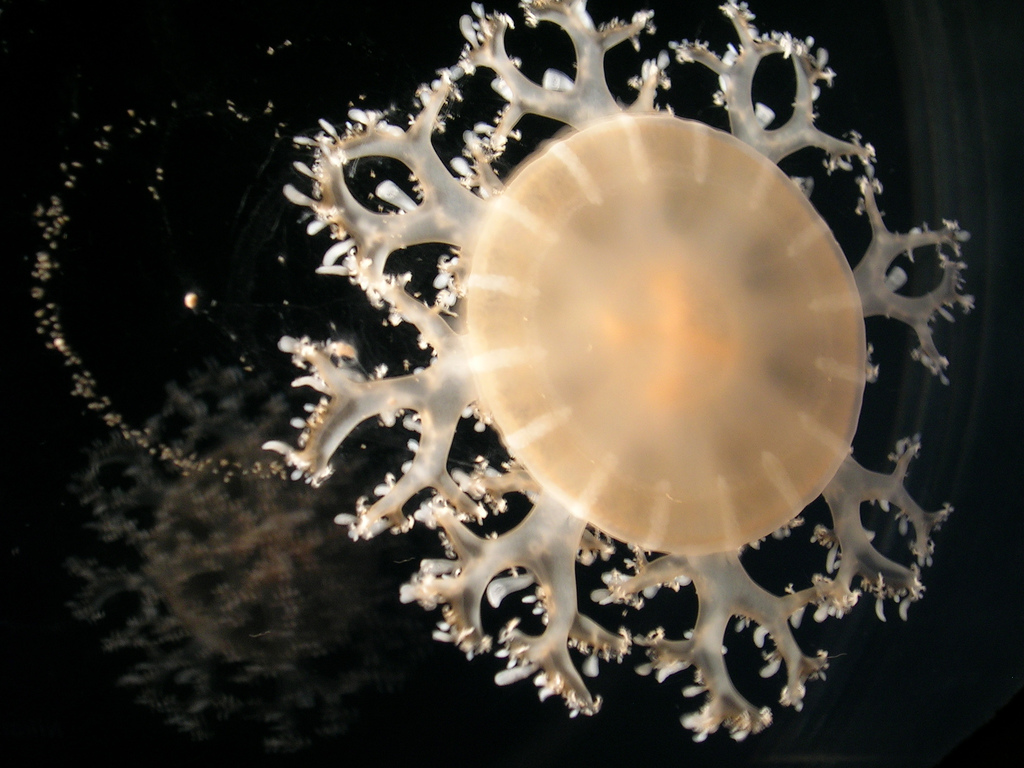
x=573, y=102
x=367, y=238
x=724, y=590
x=749, y=121
x=541, y=550
x=439, y=394
x=852, y=545
x=877, y=283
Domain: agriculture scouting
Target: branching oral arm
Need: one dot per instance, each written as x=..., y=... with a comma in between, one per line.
x=749, y=121
x=878, y=283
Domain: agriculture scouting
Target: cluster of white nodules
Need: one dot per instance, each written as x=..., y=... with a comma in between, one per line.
x=536, y=559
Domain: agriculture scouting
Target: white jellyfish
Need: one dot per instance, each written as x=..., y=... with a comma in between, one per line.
x=661, y=328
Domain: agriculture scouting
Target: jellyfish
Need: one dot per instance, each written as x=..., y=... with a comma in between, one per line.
x=659, y=328
x=232, y=586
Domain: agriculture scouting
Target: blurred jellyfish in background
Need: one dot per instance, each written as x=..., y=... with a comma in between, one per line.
x=232, y=584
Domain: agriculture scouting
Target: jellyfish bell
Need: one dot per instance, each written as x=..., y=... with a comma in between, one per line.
x=678, y=355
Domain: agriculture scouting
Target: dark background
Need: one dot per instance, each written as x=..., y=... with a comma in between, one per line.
x=934, y=85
